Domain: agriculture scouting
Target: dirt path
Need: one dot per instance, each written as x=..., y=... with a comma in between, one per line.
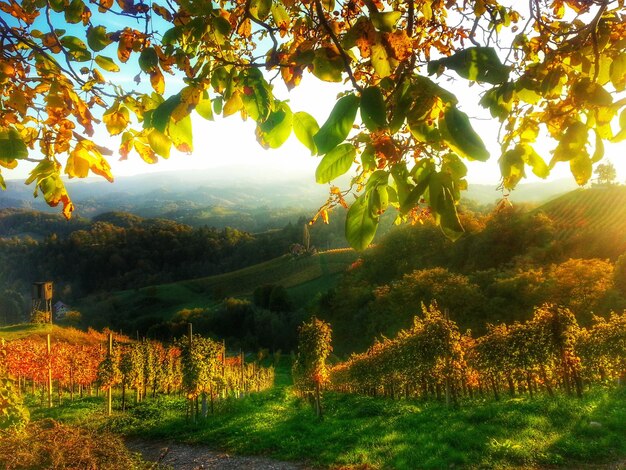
x=189, y=457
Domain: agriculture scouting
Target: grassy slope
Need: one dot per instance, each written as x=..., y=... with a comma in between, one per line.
x=303, y=277
x=593, y=218
x=57, y=333
x=361, y=432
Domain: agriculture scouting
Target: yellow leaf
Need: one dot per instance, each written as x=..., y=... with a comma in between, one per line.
x=145, y=152
x=116, y=118
x=157, y=81
x=85, y=157
x=234, y=104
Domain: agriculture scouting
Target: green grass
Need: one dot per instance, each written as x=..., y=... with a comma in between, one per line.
x=380, y=433
x=303, y=277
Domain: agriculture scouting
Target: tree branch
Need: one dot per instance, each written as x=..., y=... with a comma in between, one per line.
x=333, y=36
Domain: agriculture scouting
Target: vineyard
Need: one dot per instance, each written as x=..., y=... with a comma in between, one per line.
x=433, y=358
x=591, y=220
x=197, y=367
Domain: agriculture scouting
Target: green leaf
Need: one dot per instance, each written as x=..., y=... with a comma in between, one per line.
x=98, y=39
x=3, y=185
x=12, y=146
x=276, y=129
x=617, y=72
x=386, y=21
x=449, y=218
x=148, y=59
x=512, y=167
x=260, y=9
x=421, y=175
x=461, y=137
x=572, y=143
x=205, y=108
x=338, y=125
x=360, y=224
x=107, y=63
x=373, y=109
x=381, y=60
x=598, y=153
x=586, y=91
x=160, y=143
x=305, y=127
x=74, y=11
x=181, y=133
x=328, y=67
x=532, y=159
x=378, y=200
x=481, y=64
x=76, y=48
x=256, y=97
x=621, y=135
x=335, y=163
x=581, y=167
x=368, y=158
x=162, y=114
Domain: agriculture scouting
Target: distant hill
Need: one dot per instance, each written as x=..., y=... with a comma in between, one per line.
x=219, y=197
x=304, y=277
x=590, y=222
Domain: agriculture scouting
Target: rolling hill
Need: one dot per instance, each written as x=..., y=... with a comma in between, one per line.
x=590, y=223
x=304, y=277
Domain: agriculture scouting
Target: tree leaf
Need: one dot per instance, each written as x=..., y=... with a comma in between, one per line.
x=160, y=143
x=98, y=39
x=586, y=91
x=116, y=119
x=360, y=224
x=338, y=125
x=181, y=134
x=12, y=146
x=481, y=64
x=305, y=127
x=581, y=167
x=512, y=167
x=571, y=144
x=107, y=63
x=76, y=48
x=148, y=59
x=328, y=66
x=373, y=109
x=461, y=137
x=532, y=159
x=205, y=108
x=385, y=21
x=74, y=11
x=381, y=60
x=335, y=163
x=84, y=157
x=276, y=129
x=162, y=114
x=617, y=72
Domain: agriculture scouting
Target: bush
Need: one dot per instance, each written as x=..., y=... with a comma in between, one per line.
x=52, y=445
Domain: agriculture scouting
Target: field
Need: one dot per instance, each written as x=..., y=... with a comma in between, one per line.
x=363, y=432
x=304, y=277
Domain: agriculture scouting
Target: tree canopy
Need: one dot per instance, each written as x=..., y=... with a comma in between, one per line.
x=555, y=68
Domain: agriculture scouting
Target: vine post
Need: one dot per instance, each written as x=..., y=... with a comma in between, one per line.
x=110, y=387
x=49, y=370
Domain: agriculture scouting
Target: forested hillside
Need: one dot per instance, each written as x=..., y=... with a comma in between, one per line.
x=508, y=262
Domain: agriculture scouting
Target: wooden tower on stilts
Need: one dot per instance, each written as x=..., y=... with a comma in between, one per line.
x=41, y=310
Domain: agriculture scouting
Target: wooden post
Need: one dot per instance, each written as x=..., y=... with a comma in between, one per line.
x=193, y=409
x=49, y=371
x=110, y=387
x=243, y=380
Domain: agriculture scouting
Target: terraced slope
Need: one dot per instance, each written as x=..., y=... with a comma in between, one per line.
x=590, y=222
